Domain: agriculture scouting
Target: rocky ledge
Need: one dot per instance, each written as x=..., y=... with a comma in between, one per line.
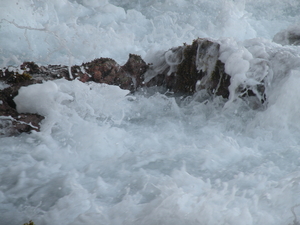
x=184, y=70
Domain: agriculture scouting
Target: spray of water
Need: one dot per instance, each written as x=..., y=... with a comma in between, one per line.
x=104, y=156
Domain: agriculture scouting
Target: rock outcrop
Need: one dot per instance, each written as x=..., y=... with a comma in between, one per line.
x=12, y=122
x=103, y=70
x=189, y=68
x=185, y=70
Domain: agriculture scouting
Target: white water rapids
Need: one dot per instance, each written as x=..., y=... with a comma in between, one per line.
x=106, y=157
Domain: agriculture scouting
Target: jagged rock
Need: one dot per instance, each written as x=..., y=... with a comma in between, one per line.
x=185, y=69
x=12, y=122
x=106, y=70
x=103, y=70
x=24, y=123
x=14, y=125
x=189, y=68
x=30, y=67
x=135, y=67
x=14, y=75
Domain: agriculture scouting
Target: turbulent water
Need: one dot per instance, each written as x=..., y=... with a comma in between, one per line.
x=105, y=156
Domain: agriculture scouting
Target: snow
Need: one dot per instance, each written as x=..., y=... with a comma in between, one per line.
x=105, y=156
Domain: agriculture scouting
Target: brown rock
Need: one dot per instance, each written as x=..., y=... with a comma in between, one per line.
x=135, y=67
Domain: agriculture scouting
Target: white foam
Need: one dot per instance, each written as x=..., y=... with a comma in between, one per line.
x=55, y=31
x=132, y=160
x=105, y=157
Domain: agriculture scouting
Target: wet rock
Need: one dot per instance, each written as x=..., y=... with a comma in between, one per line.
x=30, y=67
x=135, y=67
x=12, y=122
x=13, y=75
x=185, y=70
x=106, y=70
x=22, y=123
x=102, y=70
x=189, y=68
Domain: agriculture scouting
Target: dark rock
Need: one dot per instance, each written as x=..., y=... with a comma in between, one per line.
x=30, y=67
x=135, y=67
x=11, y=75
x=11, y=122
x=25, y=123
x=189, y=68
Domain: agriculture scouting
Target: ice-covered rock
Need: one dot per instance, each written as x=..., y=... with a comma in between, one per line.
x=189, y=68
x=223, y=68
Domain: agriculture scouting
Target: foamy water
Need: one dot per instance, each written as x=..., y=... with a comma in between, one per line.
x=106, y=157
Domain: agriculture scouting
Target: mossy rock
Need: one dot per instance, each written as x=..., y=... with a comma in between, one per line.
x=30, y=67
x=13, y=77
x=19, y=78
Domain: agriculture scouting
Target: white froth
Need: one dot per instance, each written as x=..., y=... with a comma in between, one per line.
x=106, y=157
x=55, y=31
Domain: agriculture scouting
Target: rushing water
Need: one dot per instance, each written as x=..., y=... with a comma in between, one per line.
x=106, y=157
